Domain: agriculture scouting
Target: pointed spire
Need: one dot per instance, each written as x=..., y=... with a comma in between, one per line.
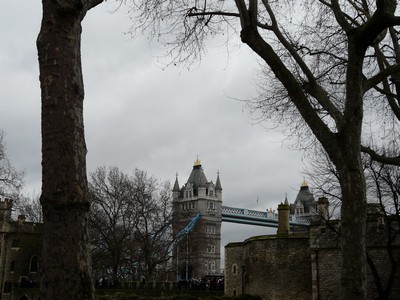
x=286, y=201
x=218, y=186
x=176, y=185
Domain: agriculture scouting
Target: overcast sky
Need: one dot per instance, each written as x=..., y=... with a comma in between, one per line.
x=140, y=115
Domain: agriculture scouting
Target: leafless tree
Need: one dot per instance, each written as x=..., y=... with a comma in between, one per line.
x=384, y=185
x=11, y=180
x=333, y=65
x=111, y=222
x=153, y=227
x=29, y=206
x=130, y=225
x=383, y=189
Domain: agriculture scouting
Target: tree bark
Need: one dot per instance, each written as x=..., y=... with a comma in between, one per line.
x=352, y=181
x=66, y=271
x=353, y=222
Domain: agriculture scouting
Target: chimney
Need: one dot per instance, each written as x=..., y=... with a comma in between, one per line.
x=323, y=208
x=283, y=218
x=5, y=209
x=21, y=219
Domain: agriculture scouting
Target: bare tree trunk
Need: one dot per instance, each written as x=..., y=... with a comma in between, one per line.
x=66, y=272
x=353, y=222
x=352, y=181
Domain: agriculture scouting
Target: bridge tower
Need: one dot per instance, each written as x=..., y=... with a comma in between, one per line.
x=198, y=253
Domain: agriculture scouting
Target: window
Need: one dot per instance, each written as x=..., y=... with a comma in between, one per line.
x=234, y=269
x=211, y=229
x=15, y=243
x=7, y=287
x=12, y=266
x=211, y=205
x=213, y=265
x=34, y=264
x=210, y=248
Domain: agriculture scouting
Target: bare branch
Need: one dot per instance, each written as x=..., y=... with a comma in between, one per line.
x=378, y=78
x=213, y=13
x=395, y=160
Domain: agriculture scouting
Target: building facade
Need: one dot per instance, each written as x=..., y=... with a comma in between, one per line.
x=20, y=249
x=198, y=203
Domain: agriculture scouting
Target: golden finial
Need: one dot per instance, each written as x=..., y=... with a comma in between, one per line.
x=304, y=183
x=197, y=162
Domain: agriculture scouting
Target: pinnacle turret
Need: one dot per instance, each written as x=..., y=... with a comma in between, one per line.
x=176, y=185
x=218, y=186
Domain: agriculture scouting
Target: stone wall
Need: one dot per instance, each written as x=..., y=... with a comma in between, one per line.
x=326, y=254
x=308, y=266
x=20, y=260
x=273, y=267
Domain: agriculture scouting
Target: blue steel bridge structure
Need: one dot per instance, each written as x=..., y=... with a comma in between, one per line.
x=243, y=216
x=258, y=218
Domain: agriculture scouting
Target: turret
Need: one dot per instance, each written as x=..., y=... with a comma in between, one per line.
x=283, y=218
x=202, y=183
x=218, y=188
x=304, y=204
x=323, y=208
x=5, y=210
x=176, y=189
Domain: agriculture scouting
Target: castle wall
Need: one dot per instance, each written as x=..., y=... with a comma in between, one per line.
x=326, y=265
x=273, y=267
x=20, y=249
x=234, y=275
x=308, y=266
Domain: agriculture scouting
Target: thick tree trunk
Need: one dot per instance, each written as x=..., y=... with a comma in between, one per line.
x=352, y=181
x=66, y=272
x=353, y=222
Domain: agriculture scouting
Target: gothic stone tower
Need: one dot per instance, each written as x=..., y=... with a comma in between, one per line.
x=198, y=253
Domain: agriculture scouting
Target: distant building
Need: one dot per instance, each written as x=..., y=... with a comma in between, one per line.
x=305, y=204
x=20, y=249
x=198, y=253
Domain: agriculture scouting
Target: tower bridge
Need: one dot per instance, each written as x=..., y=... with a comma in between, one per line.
x=259, y=218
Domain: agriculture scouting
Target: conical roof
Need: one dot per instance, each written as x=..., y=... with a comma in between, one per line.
x=218, y=186
x=305, y=197
x=197, y=177
x=176, y=185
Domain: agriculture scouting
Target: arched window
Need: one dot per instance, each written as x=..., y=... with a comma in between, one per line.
x=23, y=297
x=12, y=266
x=34, y=264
